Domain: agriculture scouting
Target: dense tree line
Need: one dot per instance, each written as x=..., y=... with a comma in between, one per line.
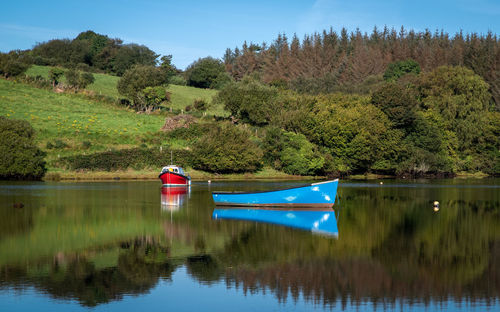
x=328, y=61
x=435, y=122
x=92, y=51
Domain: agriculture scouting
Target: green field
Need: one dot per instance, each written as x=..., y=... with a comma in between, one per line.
x=73, y=118
x=87, y=126
x=181, y=96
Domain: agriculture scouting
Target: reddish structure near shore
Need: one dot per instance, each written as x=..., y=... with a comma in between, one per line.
x=174, y=176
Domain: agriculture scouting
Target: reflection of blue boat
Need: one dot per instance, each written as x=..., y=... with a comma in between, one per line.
x=318, y=221
x=316, y=195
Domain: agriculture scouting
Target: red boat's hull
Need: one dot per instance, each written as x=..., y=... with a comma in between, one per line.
x=171, y=178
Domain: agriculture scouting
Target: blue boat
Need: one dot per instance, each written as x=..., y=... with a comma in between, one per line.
x=316, y=195
x=317, y=221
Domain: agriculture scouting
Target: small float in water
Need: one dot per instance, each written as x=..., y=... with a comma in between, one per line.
x=173, y=175
x=315, y=195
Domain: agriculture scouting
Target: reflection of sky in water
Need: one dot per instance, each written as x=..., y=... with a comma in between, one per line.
x=217, y=296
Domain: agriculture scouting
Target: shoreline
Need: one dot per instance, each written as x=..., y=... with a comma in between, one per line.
x=267, y=174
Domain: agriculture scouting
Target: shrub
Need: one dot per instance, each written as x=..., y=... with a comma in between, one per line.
x=136, y=158
x=249, y=100
x=72, y=77
x=291, y=152
x=398, y=102
x=20, y=158
x=85, y=80
x=55, y=74
x=299, y=156
x=37, y=81
x=178, y=80
x=11, y=65
x=226, y=149
x=204, y=72
x=136, y=80
x=398, y=69
x=200, y=105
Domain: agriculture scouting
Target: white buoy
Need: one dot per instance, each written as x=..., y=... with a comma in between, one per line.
x=209, y=181
x=436, y=206
x=381, y=183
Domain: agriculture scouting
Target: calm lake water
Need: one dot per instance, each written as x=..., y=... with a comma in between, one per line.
x=119, y=246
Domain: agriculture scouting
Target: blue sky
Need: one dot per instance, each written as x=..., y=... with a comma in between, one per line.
x=192, y=29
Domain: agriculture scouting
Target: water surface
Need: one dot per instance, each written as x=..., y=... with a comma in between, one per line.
x=128, y=245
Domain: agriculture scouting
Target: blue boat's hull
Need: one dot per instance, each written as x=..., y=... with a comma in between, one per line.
x=316, y=195
x=316, y=221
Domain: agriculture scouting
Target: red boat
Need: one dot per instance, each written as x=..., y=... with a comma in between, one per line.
x=174, y=176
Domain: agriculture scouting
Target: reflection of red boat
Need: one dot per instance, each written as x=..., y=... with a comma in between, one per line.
x=173, y=197
x=174, y=175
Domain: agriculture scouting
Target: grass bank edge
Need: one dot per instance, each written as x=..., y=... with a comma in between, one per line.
x=56, y=174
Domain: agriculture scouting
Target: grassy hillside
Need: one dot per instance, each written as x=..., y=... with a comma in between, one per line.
x=72, y=124
x=74, y=119
x=181, y=97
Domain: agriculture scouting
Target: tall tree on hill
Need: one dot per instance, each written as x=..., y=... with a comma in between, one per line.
x=134, y=82
x=203, y=73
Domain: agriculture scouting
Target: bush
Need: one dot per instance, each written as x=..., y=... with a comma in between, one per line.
x=200, y=105
x=136, y=80
x=72, y=77
x=189, y=133
x=204, y=73
x=249, y=100
x=178, y=80
x=226, y=149
x=85, y=80
x=398, y=102
x=136, y=158
x=55, y=74
x=354, y=131
x=37, y=81
x=398, y=69
x=20, y=158
x=299, y=156
x=11, y=65
x=291, y=152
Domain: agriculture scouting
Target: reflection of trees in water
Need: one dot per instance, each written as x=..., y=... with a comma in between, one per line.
x=452, y=247
x=390, y=247
x=15, y=220
x=384, y=253
x=359, y=280
x=136, y=273
x=205, y=269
